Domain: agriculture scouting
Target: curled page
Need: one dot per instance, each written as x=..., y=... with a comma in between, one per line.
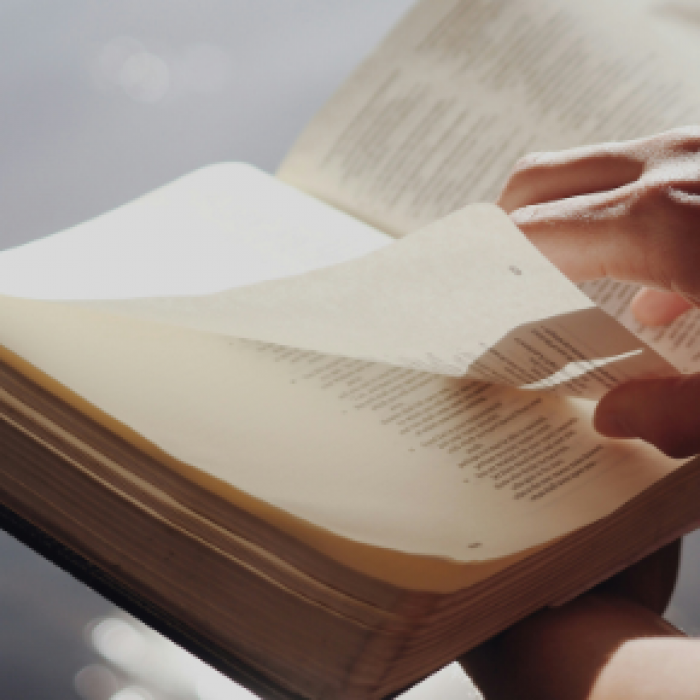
x=408, y=461
x=466, y=295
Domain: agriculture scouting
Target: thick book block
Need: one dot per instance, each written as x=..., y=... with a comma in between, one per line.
x=329, y=483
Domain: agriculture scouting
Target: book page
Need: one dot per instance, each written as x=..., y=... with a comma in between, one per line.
x=219, y=227
x=466, y=295
x=383, y=455
x=390, y=457
x=437, y=117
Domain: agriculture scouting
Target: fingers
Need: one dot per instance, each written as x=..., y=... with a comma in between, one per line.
x=664, y=412
x=657, y=307
x=559, y=653
x=586, y=237
x=545, y=177
x=637, y=233
x=625, y=210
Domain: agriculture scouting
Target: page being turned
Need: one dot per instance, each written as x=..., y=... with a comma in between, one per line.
x=469, y=294
x=466, y=295
x=385, y=455
x=437, y=117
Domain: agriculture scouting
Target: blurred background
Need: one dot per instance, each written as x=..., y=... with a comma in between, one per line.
x=99, y=103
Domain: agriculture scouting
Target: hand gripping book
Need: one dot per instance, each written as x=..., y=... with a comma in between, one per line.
x=324, y=454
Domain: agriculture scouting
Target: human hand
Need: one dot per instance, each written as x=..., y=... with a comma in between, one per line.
x=630, y=211
x=597, y=647
x=609, y=644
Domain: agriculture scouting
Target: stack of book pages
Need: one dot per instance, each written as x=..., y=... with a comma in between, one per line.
x=328, y=456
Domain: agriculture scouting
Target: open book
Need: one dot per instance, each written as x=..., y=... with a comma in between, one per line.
x=330, y=461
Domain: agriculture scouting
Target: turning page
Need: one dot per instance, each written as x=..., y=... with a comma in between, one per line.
x=466, y=295
x=384, y=455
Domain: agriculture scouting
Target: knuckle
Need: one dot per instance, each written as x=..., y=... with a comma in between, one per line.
x=663, y=215
x=675, y=197
x=685, y=136
x=652, y=192
x=666, y=233
x=654, y=208
x=682, y=140
x=644, y=205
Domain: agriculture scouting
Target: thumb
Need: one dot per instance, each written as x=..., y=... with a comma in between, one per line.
x=657, y=307
x=664, y=412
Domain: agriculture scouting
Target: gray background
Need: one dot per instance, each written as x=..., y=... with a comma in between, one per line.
x=102, y=101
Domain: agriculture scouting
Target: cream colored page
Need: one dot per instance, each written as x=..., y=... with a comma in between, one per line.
x=387, y=456
x=219, y=227
x=468, y=294
x=384, y=455
x=462, y=88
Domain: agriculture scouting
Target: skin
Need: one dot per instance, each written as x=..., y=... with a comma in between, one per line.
x=630, y=211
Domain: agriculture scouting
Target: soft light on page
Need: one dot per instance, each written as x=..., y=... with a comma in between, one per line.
x=466, y=295
x=220, y=227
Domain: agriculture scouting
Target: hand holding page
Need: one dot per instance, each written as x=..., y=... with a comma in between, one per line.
x=466, y=295
x=469, y=293
x=324, y=474
x=346, y=526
